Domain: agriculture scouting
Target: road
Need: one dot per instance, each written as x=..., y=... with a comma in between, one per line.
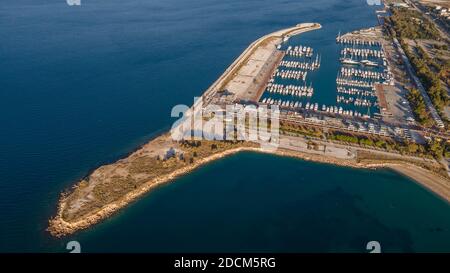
x=418, y=129
x=434, y=114
x=342, y=151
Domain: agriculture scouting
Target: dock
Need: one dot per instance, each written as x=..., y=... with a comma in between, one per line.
x=243, y=79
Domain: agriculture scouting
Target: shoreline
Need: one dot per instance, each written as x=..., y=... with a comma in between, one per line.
x=58, y=227
x=247, y=53
x=433, y=183
x=111, y=187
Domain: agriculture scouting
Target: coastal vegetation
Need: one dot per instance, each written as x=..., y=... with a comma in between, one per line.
x=433, y=149
x=112, y=187
x=419, y=108
x=407, y=24
x=368, y=157
x=286, y=127
x=411, y=24
x=430, y=79
x=112, y=182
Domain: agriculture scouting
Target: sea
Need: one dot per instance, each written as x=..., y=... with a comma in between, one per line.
x=82, y=86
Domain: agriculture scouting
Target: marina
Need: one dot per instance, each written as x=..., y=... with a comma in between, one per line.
x=351, y=40
x=342, y=80
x=108, y=158
x=362, y=77
x=291, y=74
x=362, y=52
x=363, y=74
x=299, y=51
x=363, y=66
x=288, y=87
x=291, y=90
x=284, y=90
x=302, y=65
x=355, y=91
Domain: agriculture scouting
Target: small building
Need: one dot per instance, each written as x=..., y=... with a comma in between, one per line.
x=170, y=153
x=314, y=119
x=400, y=5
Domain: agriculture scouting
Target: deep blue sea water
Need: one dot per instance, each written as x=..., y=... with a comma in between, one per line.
x=83, y=86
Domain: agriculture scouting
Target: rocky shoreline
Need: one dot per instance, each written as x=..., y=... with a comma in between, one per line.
x=59, y=227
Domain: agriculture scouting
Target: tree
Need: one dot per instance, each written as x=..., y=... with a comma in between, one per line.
x=413, y=147
x=436, y=148
x=380, y=144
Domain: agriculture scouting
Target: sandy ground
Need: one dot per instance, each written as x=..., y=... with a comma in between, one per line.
x=442, y=3
x=438, y=185
x=261, y=49
x=59, y=227
x=326, y=153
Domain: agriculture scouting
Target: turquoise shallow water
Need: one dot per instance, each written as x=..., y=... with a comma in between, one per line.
x=83, y=86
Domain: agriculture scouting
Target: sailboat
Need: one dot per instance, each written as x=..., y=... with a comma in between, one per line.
x=368, y=63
